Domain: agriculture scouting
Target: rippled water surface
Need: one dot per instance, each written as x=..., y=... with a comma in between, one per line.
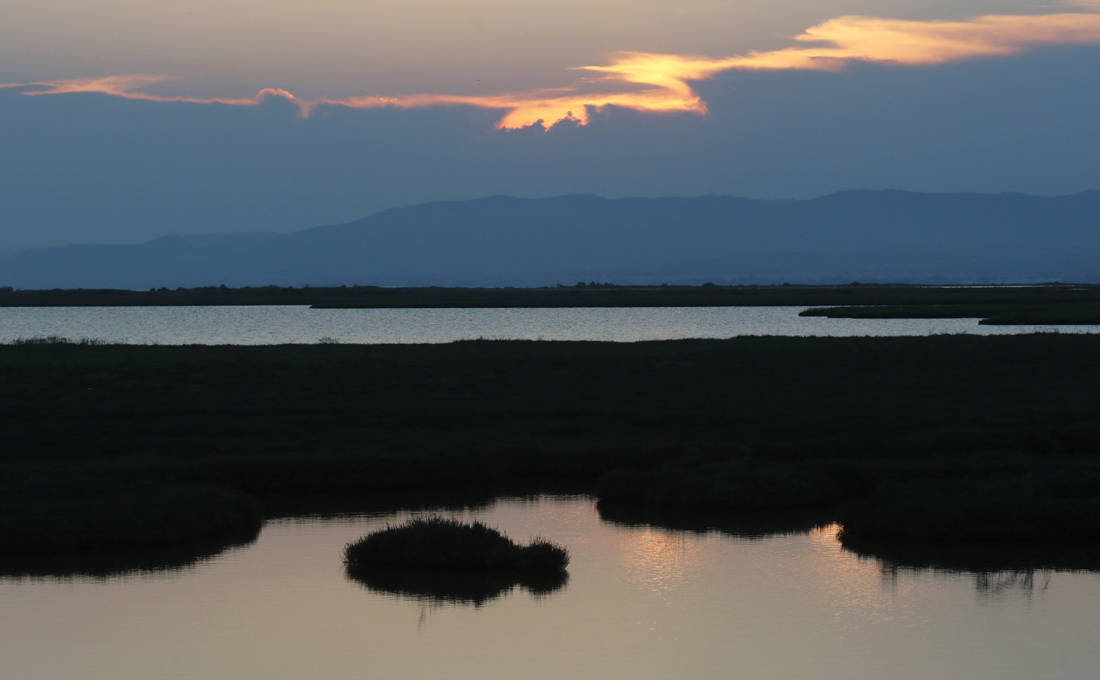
x=262, y=325
x=640, y=603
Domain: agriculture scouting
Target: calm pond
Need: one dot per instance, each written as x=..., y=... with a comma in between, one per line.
x=262, y=325
x=640, y=602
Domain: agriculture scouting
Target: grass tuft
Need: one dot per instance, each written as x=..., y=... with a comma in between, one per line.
x=444, y=560
x=440, y=543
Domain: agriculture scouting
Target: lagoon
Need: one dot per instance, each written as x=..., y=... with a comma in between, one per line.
x=641, y=602
x=280, y=324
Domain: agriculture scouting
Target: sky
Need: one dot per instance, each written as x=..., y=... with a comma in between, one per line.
x=121, y=121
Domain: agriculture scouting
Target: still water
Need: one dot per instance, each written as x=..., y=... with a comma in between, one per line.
x=262, y=325
x=641, y=602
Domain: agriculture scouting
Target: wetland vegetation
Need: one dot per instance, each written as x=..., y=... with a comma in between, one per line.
x=444, y=559
x=931, y=440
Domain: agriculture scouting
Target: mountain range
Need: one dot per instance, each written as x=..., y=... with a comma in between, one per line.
x=867, y=236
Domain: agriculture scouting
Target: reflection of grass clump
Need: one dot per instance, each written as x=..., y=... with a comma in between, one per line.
x=438, y=543
x=446, y=561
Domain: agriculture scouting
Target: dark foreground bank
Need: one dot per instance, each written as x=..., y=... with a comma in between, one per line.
x=980, y=439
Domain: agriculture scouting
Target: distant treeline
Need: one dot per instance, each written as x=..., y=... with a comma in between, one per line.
x=581, y=294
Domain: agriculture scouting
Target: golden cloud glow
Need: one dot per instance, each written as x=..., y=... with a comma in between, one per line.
x=660, y=83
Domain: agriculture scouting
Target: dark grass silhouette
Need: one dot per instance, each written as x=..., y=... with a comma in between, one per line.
x=355, y=505
x=1003, y=313
x=1065, y=314
x=68, y=517
x=745, y=525
x=107, y=563
x=715, y=426
x=445, y=560
x=739, y=485
x=1037, y=506
x=439, y=543
x=1041, y=517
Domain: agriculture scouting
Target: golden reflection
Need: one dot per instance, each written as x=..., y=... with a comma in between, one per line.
x=659, y=83
x=658, y=560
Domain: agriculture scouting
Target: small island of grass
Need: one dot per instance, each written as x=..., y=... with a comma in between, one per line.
x=439, y=543
x=446, y=560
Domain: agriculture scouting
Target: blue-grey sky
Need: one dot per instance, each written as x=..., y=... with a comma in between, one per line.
x=121, y=121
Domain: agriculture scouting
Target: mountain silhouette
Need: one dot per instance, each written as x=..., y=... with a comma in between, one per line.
x=854, y=235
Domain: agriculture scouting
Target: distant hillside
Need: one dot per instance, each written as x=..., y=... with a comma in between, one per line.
x=856, y=235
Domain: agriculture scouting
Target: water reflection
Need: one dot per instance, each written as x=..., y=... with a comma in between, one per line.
x=659, y=560
x=646, y=602
x=454, y=587
x=992, y=569
x=988, y=585
x=982, y=557
x=997, y=570
x=1025, y=582
x=260, y=325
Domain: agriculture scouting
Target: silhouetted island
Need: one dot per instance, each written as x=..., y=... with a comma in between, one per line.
x=445, y=559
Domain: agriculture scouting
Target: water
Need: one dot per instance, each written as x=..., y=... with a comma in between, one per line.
x=298, y=324
x=640, y=603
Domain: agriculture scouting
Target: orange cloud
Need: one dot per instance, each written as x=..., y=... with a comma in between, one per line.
x=659, y=83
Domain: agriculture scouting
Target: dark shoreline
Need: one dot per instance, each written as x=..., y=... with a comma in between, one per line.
x=984, y=439
x=591, y=294
x=1056, y=313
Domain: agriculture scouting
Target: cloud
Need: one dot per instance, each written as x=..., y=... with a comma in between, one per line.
x=661, y=83
x=133, y=86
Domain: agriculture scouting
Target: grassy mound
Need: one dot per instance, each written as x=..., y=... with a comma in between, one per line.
x=443, y=560
x=439, y=543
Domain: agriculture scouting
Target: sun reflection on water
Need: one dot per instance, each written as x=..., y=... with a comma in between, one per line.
x=659, y=560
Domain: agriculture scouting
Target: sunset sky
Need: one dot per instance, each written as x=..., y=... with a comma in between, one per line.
x=123, y=120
